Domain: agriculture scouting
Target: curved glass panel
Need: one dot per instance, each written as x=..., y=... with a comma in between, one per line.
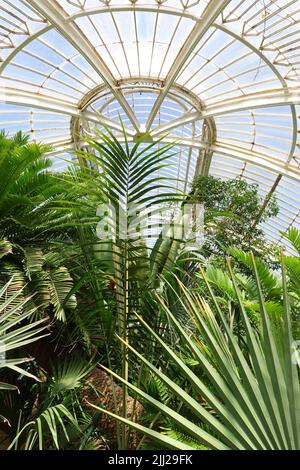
x=220, y=78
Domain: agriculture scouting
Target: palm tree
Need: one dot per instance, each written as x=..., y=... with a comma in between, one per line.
x=128, y=184
x=23, y=177
x=103, y=204
x=241, y=397
x=16, y=332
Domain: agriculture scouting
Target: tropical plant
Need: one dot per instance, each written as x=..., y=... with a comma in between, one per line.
x=16, y=332
x=58, y=417
x=42, y=273
x=237, y=211
x=103, y=204
x=245, y=398
x=222, y=283
x=24, y=176
x=36, y=287
x=130, y=189
x=91, y=244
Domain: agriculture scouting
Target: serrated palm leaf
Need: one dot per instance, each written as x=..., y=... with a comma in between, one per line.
x=253, y=392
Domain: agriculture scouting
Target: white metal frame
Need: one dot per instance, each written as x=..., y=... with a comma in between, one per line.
x=236, y=153
x=56, y=15
x=282, y=25
x=211, y=12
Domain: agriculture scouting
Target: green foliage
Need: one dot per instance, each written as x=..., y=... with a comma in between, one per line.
x=254, y=392
x=49, y=424
x=33, y=272
x=69, y=375
x=23, y=178
x=293, y=236
x=58, y=417
x=243, y=210
x=16, y=331
x=207, y=354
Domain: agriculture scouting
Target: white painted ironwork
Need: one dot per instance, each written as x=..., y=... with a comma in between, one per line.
x=209, y=15
x=218, y=79
x=53, y=13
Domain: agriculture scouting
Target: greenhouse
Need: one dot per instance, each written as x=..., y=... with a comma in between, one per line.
x=149, y=225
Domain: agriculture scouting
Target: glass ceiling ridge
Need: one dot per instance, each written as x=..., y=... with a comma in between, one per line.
x=176, y=67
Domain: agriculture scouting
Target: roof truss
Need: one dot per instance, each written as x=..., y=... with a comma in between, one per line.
x=51, y=10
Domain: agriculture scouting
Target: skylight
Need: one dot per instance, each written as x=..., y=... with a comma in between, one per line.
x=219, y=78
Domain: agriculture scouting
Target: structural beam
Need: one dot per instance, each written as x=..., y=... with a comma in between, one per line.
x=99, y=118
x=209, y=15
x=48, y=103
x=256, y=158
x=26, y=98
x=267, y=200
x=55, y=14
x=22, y=45
x=249, y=45
x=263, y=99
x=143, y=7
x=181, y=121
x=241, y=154
x=235, y=152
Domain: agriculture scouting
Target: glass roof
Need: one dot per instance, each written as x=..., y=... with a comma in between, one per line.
x=221, y=76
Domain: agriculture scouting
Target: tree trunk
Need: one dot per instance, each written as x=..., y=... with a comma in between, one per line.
x=101, y=390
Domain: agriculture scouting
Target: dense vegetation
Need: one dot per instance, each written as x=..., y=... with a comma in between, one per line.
x=111, y=338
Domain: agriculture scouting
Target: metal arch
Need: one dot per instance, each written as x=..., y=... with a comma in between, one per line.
x=280, y=175
x=35, y=100
x=186, y=118
x=51, y=104
x=187, y=100
x=275, y=71
x=170, y=10
x=166, y=10
x=259, y=159
x=261, y=99
x=99, y=118
x=158, y=8
x=285, y=87
x=268, y=98
x=238, y=153
x=147, y=84
x=56, y=16
x=144, y=89
x=176, y=92
x=295, y=131
x=235, y=152
x=250, y=46
x=27, y=98
x=209, y=136
x=146, y=8
x=209, y=15
x=23, y=44
x=179, y=94
x=97, y=10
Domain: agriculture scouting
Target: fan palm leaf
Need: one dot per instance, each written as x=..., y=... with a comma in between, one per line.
x=253, y=392
x=16, y=330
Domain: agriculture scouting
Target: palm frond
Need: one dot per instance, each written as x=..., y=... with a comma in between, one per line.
x=16, y=330
x=293, y=236
x=51, y=423
x=254, y=393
